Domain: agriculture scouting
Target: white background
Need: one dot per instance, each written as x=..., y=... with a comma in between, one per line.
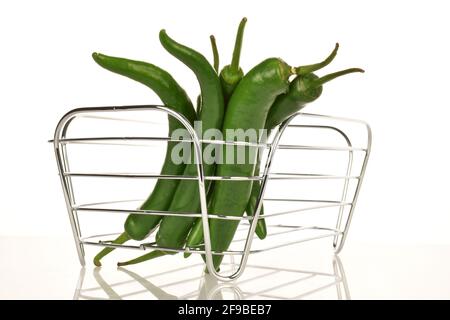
x=46, y=69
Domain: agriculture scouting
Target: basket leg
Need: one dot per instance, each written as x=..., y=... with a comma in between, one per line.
x=74, y=213
x=75, y=230
x=358, y=188
x=79, y=247
x=67, y=197
x=338, y=237
x=70, y=189
x=340, y=245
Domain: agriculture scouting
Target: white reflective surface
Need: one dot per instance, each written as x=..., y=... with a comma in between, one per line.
x=44, y=268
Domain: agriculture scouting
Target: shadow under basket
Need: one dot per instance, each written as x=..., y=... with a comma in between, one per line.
x=312, y=167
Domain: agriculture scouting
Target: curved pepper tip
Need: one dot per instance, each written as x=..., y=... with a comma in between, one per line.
x=97, y=263
x=163, y=35
x=96, y=56
x=351, y=70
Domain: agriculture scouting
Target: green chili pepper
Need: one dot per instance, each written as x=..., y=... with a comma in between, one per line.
x=195, y=237
x=231, y=197
x=229, y=78
x=261, y=87
x=302, y=90
x=273, y=117
x=173, y=96
x=173, y=230
x=247, y=109
x=232, y=74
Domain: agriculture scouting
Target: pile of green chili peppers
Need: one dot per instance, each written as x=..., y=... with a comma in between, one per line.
x=262, y=98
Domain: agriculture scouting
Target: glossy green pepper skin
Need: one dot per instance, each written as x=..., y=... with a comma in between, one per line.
x=137, y=226
x=305, y=88
x=247, y=109
x=173, y=231
x=258, y=92
x=269, y=100
x=229, y=78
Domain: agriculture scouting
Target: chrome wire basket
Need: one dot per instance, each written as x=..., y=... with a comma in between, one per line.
x=313, y=167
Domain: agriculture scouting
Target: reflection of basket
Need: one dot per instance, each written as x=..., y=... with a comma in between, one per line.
x=191, y=282
x=341, y=136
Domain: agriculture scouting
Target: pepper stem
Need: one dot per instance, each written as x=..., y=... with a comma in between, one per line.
x=215, y=52
x=122, y=238
x=302, y=70
x=238, y=46
x=334, y=75
x=145, y=257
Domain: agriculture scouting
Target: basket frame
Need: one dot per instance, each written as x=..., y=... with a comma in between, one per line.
x=59, y=145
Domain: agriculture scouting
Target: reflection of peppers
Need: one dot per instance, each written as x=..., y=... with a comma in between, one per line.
x=139, y=226
x=112, y=295
x=232, y=74
x=153, y=289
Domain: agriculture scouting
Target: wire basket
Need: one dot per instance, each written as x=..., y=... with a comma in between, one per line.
x=319, y=183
